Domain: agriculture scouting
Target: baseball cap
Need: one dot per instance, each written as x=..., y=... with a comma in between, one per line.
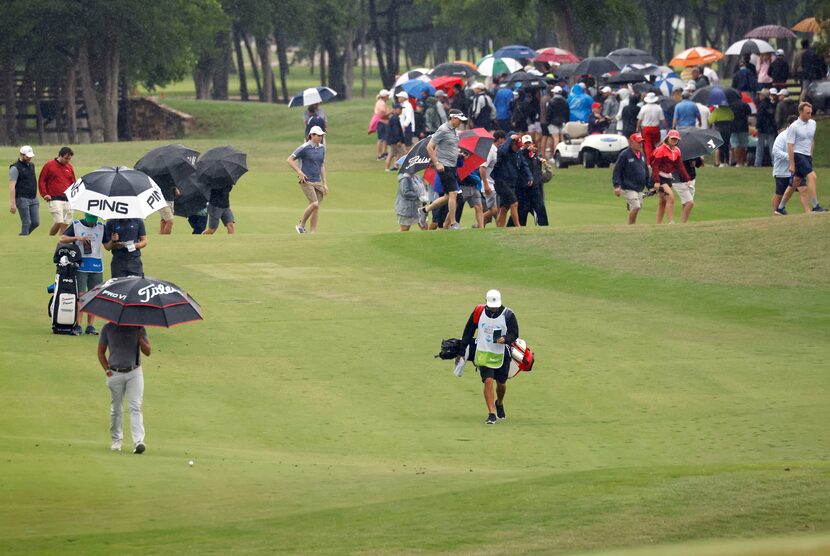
x=773, y=91
x=606, y=89
x=783, y=92
x=557, y=89
x=673, y=134
x=440, y=93
x=596, y=105
x=527, y=139
x=458, y=114
x=779, y=52
x=478, y=85
x=493, y=298
x=636, y=137
x=383, y=93
x=402, y=94
x=26, y=150
x=316, y=130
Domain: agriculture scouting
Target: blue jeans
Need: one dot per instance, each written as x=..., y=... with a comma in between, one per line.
x=29, y=211
x=764, y=146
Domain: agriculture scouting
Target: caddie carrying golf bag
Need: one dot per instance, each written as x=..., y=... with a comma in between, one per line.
x=63, y=307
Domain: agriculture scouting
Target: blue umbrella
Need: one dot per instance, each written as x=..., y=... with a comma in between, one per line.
x=414, y=88
x=715, y=95
x=516, y=51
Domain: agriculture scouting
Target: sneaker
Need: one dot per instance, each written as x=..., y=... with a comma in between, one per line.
x=422, y=217
x=491, y=419
x=455, y=227
x=500, y=411
x=116, y=446
x=139, y=448
x=819, y=208
x=77, y=330
x=91, y=330
x=389, y=170
x=781, y=211
x=300, y=228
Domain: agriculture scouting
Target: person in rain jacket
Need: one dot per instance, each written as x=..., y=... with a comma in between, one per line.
x=579, y=103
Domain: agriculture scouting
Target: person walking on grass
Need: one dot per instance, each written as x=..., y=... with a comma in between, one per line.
x=631, y=176
x=800, y=143
x=486, y=339
x=443, y=151
x=311, y=172
x=90, y=235
x=219, y=209
x=23, y=191
x=783, y=178
x=124, y=376
x=666, y=167
x=411, y=192
x=509, y=173
x=55, y=178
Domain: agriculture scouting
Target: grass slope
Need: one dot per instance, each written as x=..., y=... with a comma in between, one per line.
x=680, y=394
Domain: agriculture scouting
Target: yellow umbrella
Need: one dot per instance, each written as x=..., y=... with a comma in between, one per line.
x=809, y=25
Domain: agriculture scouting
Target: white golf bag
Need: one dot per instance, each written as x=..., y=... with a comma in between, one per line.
x=63, y=307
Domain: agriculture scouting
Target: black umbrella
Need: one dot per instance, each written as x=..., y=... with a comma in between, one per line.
x=715, y=95
x=141, y=301
x=595, y=66
x=526, y=80
x=626, y=77
x=169, y=164
x=645, y=88
x=623, y=56
x=695, y=142
x=454, y=70
x=116, y=192
x=221, y=166
x=416, y=159
x=564, y=70
x=193, y=196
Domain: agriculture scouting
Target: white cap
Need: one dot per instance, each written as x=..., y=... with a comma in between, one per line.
x=478, y=85
x=316, y=130
x=493, y=299
x=784, y=92
x=383, y=93
x=26, y=150
x=773, y=91
x=779, y=52
x=527, y=139
x=606, y=89
x=650, y=98
x=583, y=85
x=402, y=94
x=690, y=86
x=557, y=89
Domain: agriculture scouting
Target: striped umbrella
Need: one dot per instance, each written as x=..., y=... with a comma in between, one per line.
x=695, y=56
x=116, y=192
x=668, y=84
x=419, y=74
x=555, y=55
x=312, y=95
x=749, y=46
x=490, y=65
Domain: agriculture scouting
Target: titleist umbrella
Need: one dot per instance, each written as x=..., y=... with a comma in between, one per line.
x=141, y=301
x=221, y=166
x=116, y=192
x=417, y=159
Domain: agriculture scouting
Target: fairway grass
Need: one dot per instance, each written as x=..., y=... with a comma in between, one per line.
x=679, y=403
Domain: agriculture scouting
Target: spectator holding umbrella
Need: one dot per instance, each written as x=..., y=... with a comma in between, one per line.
x=395, y=136
x=721, y=119
x=311, y=172
x=509, y=173
x=219, y=209
x=315, y=118
x=666, y=167
x=744, y=79
x=558, y=115
x=699, y=79
x=779, y=70
x=739, y=140
x=629, y=115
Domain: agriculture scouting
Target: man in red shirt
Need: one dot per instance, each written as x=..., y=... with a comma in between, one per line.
x=55, y=178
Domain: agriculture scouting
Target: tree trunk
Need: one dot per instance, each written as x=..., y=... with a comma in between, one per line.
x=322, y=66
x=348, y=62
x=282, y=56
x=253, y=65
x=222, y=67
x=563, y=25
x=202, y=79
x=7, y=86
x=111, y=70
x=38, y=111
x=125, y=132
x=240, y=65
x=263, y=48
x=70, y=91
x=93, y=108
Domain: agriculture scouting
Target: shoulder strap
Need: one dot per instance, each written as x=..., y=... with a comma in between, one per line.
x=508, y=312
x=477, y=313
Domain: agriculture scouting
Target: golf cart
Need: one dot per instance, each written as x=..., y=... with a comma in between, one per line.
x=589, y=150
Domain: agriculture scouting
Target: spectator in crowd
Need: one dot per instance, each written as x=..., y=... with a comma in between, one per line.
x=544, y=122
x=382, y=112
x=395, y=138
x=630, y=116
x=530, y=197
x=710, y=74
x=798, y=66
x=667, y=163
x=127, y=237
x=559, y=114
x=420, y=122
x=504, y=107
x=704, y=114
x=649, y=121
x=786, y=107
x=721, y=120
x=764, y=77
x=739, y=139
x=510, y=172
x=89, y=235
x=597, y=122
x=436, y=113
x=491, y=208
x=699, y=79
x=483, y=110
x=631, y=176
x=407, y=118
x=460, y=102
x=686, y=113
x=23, y=191
x=610, y=107
x=765, y=126
x=411, y=193
x=311, y=172
x=579, y=103
x=813, y=68
x=779, y=70
x=744, y=79
x=55, y=177
x=315, y=118
x=471, y=189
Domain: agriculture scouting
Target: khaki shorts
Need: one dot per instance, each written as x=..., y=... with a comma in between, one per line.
x=314, y=191
x=166, y=212
x=633, y=198
x=61, y=212
x=686, y=191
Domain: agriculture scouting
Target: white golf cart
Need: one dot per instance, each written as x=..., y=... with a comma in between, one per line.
x=589, y=150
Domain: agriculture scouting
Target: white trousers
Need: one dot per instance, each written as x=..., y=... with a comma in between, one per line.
x=132, y=384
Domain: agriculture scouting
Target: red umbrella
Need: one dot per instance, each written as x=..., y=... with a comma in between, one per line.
x=554, y=55
x=477, y=142
x=446, y=83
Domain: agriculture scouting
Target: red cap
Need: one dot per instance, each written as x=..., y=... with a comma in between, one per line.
x=636, y=137
x=596, y=105
x=673, y=134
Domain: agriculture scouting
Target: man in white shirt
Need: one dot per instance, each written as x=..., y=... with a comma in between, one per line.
x=487, y=181
x=800, y=142
x=407, y=118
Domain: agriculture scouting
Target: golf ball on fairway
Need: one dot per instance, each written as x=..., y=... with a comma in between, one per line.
x=190, y=463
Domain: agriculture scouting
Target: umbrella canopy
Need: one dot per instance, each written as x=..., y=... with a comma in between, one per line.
x=416, y=74
x=668, y=84
x=454, y=70
x=417, y=159
x=526, y=80
x=221, y=166
x=623, y=56
x=770, y=32
x=517, y=51
x=695, y=56
x=749, y=46
x=415, y=88
x=312, y=95
x=595, y=66
x=625, y=77
x=490, y=65
x=193, y=196
x=476, y=141
x=649, y=69
x=645, y=88
x=116, y=192
x=446, y=83
x=565, y=70
x=141, y=301
x=555, y=55
x=170, y=161
x=696, y=142
x=808, y=25
x=715, y=95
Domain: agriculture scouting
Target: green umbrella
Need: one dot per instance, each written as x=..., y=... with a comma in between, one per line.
x=490, y=65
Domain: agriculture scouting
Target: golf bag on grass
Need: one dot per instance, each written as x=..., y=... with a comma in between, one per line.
x=63, y=307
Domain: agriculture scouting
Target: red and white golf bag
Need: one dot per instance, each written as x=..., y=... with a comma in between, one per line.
x=521, y=358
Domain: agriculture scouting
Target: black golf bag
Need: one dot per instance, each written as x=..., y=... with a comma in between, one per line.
x=63, y=307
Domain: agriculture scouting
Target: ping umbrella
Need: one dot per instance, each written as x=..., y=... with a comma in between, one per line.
x=623, y=56
x=554, y=55
x=454, y=70
x=141, y=301
x=517, y=51
x=420, y=74
x=749, y=46
x=696, y=56
x=595, y=66
x=116, y=192
x=770, y=32
x=715, y=95
x=490, y=65
x=312, y=95
x=696, y=142
x=221, y=166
